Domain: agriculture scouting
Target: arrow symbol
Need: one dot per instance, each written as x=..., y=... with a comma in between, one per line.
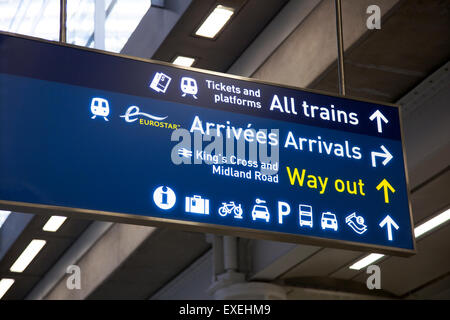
x=389, y=223
x=380, y=117
x=385, y=154
x=386, y=186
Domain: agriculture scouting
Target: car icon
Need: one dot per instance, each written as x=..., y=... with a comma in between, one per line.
x=329, y=221
x=260, y=211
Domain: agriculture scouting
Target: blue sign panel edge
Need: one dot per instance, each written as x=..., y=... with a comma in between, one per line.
x=201, y=227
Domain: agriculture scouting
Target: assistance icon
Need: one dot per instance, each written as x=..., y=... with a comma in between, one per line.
x=356, y=223
x=164, y=197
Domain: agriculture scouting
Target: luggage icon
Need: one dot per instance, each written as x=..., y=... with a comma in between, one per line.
x=196, y=204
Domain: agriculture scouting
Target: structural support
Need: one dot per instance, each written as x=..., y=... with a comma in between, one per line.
x=63, y=21
x=230, y=254
x=231, y=283
x=340, y=46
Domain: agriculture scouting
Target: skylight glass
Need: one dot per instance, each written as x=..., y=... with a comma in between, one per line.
x=40, y=18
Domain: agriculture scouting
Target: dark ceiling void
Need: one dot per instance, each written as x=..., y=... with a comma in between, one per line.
x=386, y=64
x=249, y=19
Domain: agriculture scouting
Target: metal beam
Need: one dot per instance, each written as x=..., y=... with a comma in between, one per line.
x=340, y=46
x=63, y=21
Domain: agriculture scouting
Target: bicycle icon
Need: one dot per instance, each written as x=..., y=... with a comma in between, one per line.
x=229, y=208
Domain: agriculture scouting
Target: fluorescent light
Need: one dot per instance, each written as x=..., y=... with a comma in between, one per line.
x=54, y=223
x=5, y=284
x=3, y=216
x=432, y=223
x=215, y=22
x=418, y=232
x=184, y=61
x=364, y=262
x=27, y=255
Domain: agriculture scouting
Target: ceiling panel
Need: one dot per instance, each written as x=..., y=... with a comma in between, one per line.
x=218, y=54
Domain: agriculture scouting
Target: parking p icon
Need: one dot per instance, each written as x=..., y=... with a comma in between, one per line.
x=284, y=209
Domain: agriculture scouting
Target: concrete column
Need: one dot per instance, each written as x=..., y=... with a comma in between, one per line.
x=231, y=284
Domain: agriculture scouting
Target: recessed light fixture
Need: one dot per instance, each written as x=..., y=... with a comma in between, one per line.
x=419, y=231
x=183, y=61
x=215, y=22
x=27, y=255
x=367, y=260
x=5, y=284
x=432, y=223
x=3, y=216
x=54, y=223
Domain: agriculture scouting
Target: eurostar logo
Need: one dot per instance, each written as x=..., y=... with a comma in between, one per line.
x=132, y=114
x=145, y=119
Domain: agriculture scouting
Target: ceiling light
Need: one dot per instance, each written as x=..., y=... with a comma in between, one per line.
x=5, y=284
x=3, y=216
x=27, y=255
x=183, y=61
x=432, y=223
x=54, y=223
x=368, y=260
x=215, y=22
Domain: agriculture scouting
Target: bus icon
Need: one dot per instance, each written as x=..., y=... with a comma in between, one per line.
x=305, y=215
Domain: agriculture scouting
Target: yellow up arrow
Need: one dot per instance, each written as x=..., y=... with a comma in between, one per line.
x=386, y=185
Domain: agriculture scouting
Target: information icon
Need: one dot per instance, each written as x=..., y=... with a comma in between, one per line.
x=164, y=197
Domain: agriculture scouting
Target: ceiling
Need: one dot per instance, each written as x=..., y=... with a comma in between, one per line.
x=180, y=22
x=217, y=54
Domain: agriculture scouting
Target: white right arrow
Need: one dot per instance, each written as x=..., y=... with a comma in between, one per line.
x=380, y=117
x=385, y=154
x=389, y=223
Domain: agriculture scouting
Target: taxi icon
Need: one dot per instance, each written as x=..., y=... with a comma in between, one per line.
x=329, y=221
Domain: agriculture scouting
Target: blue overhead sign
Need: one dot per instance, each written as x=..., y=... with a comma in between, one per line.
x=98, y=135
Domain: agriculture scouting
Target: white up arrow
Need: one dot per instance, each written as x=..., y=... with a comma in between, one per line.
x=385, y=154
x=380, y=117
x=389, y=223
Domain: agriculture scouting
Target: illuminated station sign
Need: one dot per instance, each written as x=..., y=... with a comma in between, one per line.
x=90, y=134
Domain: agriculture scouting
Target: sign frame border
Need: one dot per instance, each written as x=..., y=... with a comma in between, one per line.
x=192, y=226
